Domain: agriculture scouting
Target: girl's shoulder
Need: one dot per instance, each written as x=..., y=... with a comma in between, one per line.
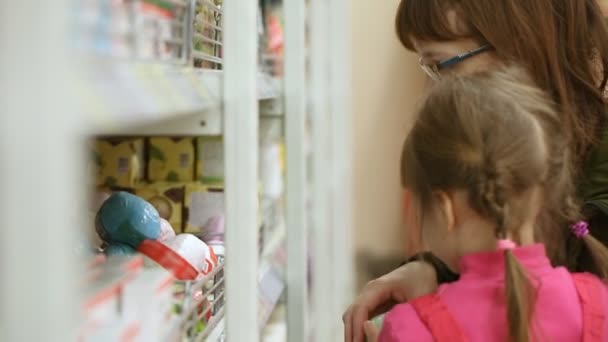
x=593, y=296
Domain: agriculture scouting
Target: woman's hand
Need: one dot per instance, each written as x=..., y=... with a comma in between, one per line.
x=408, y=281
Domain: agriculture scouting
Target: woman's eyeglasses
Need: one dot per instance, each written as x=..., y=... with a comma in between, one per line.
x=434, y=70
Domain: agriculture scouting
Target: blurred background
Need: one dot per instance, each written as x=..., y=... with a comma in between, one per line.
x=197, y=170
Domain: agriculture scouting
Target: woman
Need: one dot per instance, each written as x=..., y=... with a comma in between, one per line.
x=563, y=44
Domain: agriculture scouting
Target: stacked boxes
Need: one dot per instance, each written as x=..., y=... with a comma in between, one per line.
x=182, y=177
x=125, y=301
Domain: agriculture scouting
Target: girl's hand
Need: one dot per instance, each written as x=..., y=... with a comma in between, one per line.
x=371, y=332
x=408, y=281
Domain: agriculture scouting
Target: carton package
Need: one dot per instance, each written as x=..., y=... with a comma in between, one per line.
x=149, y=298
x=170, y=159
x=167, y=198
x=202, y=203
x=210, y=160
x=118, y=162
x=117, y=330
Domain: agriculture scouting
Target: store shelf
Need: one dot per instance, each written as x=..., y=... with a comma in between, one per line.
x=217, y=334
x=269, y=87
x=185, y=326
x=275, y=240
x=271, y=279
x=276, y=329
x=125, y=98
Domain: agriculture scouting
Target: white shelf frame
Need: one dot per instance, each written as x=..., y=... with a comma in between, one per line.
x=296, y=181
x=40, y=195
x=321, y=151
x=241, y=159
x=340, y=68
x=331, y=134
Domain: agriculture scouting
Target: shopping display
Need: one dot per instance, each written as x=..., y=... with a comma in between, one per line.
x=207, y=37
x=158, y=202
x=147, y=30
x=130, y=227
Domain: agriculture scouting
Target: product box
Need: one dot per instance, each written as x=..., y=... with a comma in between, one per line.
x=170, y=159
x=149, y=297
x=119, y=162
x=130, y=264
x=167, y=198
x=117, y=330
x=101, y=295
x=102, y=267
x=202, y=203
x=210, y=160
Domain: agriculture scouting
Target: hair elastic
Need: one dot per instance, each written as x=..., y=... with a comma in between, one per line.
x=504, y=244
x=580, y=229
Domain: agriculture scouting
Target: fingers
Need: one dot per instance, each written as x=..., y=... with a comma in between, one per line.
x=373, y=296
x=347, y=320
x=371, y=332
x=359, y=316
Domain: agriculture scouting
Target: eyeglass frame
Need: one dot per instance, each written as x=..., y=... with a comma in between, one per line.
x=434, y=70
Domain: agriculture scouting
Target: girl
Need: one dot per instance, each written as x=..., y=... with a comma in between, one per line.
x=478, y=161
x=563, y=44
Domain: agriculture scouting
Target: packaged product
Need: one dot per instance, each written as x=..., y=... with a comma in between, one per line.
x=202, y=203
x=170, y=159
x=195, y=251
x=185, y=256
x=149, y=297
x=166, y=230
x=127, y=219
x=210, y=160
x=119, y=162
x=167, y=198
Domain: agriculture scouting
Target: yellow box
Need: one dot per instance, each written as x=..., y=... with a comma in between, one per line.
x=119, y=162
x=167, y=198
x=201, y=203
x=170, y=159
x=210, y=160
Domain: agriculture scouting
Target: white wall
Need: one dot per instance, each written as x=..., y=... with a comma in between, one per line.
x=387, y=83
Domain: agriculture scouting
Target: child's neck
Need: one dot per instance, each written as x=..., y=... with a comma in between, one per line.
x=479, y=237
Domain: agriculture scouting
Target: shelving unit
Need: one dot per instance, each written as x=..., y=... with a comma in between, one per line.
x=157, y=80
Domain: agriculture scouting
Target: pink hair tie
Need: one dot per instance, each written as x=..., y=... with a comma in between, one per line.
x=504, y=244
x=580, y=229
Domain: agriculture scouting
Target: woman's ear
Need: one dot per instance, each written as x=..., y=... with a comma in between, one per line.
x=446, y=206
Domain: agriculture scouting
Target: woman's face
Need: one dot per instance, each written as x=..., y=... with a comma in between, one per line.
x=433, y=52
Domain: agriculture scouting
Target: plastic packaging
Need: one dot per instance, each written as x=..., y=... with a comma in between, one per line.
x=195, y=251
x=166, y=231
x=127, y=219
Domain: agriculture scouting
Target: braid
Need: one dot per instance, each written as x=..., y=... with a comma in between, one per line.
x=492, y=195
x=493, y=204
